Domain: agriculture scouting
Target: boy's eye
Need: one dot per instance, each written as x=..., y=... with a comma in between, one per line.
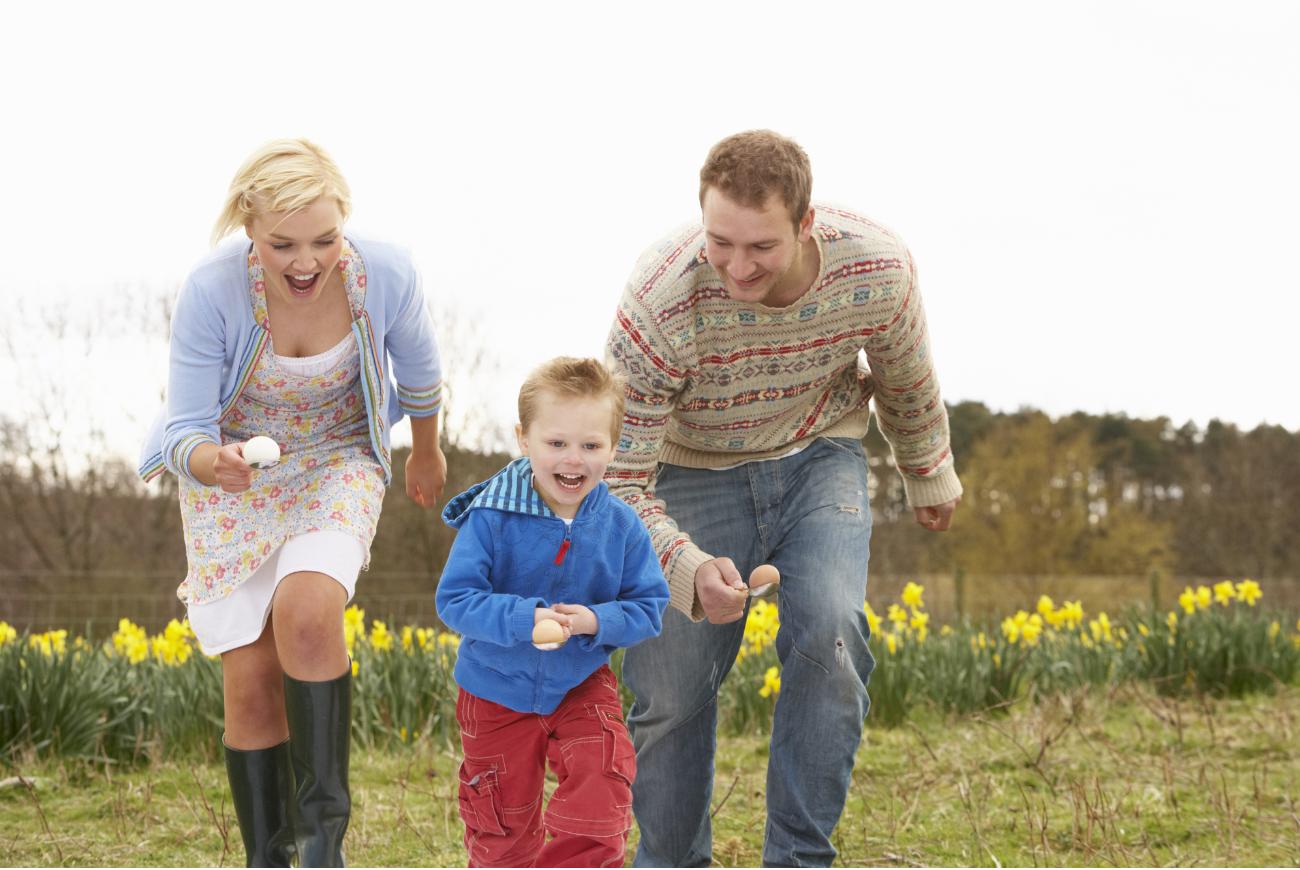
x=591, y=445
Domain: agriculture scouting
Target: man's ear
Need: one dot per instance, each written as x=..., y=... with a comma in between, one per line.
x=806, y=225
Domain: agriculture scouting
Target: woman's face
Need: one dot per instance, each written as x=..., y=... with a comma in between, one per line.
x=300, y=251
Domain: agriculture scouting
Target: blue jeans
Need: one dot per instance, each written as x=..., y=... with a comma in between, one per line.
x=808, y=515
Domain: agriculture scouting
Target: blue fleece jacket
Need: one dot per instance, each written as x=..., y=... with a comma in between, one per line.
x=511, y=555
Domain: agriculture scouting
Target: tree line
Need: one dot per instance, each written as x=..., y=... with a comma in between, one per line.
x=1079, y=495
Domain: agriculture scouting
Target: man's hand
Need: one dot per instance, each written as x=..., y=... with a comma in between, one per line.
x=426, y=474
x=721, y=590
x=582, y=620
x=937, y=518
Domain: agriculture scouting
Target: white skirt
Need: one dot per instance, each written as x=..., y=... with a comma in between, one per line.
x=239, y=618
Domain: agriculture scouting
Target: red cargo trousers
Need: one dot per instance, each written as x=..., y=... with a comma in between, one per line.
x=506, y=753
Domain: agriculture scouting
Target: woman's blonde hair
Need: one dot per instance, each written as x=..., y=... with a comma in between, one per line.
x=284, y=175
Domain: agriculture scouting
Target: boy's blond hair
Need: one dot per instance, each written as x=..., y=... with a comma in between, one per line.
x=284, y=175
x=749, y=167
x=573, y=378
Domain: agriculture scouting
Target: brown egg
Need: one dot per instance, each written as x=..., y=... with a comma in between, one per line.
x=764, y=575
x=548, y=631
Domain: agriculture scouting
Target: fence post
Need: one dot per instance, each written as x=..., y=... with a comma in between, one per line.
x=959, y=593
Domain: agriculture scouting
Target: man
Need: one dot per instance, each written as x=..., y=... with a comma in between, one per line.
x=741, y=445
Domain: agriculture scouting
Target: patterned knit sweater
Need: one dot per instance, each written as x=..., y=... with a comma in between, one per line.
x=713, y=382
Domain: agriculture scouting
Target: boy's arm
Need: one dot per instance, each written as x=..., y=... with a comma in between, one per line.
x=465, y=600
x=643, y=595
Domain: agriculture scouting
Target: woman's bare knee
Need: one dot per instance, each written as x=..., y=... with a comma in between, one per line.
x=308, y=618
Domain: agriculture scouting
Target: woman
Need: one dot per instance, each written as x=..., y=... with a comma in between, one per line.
x=291, y=333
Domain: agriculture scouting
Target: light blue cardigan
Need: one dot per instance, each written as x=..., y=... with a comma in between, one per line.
x=216, y=343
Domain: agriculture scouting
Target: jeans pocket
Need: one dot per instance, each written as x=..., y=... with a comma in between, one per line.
x=846, y=445
x=480, y=796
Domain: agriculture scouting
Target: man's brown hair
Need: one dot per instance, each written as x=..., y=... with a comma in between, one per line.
x=572, y=378
x=748, y=167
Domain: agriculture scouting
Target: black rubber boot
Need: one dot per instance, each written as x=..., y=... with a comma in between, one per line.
x=261, y=784
x=320, y=730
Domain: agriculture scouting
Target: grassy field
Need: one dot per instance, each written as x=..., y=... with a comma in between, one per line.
x=1095, y=777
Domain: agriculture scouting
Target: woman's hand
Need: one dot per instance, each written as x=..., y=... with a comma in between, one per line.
x=426, y=475
x=232, y=473
x=582, y=620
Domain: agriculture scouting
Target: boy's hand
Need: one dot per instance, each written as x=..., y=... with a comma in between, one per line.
x=582, y=620
x=556, y=614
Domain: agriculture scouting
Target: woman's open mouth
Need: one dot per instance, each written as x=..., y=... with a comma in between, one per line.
x=302, y=285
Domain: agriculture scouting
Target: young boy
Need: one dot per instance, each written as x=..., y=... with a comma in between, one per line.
x=544, y=539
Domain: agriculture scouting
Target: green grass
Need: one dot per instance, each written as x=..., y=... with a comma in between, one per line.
x=1121, y=776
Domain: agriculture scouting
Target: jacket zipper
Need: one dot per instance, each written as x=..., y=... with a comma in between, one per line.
x=564, y=545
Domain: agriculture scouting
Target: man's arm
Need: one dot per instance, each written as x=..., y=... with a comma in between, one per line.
x=653, y=381
x=910, y=410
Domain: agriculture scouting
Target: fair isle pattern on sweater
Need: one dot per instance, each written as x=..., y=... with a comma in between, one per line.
x=713, y=382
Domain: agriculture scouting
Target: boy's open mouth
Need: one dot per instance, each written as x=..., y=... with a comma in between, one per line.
x=570, y=482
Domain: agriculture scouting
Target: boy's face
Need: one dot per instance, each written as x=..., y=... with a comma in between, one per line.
x=569, y=445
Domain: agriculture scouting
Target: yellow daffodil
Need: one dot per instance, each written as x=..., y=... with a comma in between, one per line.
x=891, y=643
x=921, y=624
x=1187, y=600
x=1224, y=592
x=1249, y=592
x=7, y=633
x=380, y=639
x=771, y=682
x=1172, y=621
x=50, y=643
x=1274, y=629
x=355, y=667
x=408, y=638
x=1143, y=630
x=354, y=626
x=1202, y=597
x=1046, y=606
x=873, y=619
x=897, y=615
x=912, y=596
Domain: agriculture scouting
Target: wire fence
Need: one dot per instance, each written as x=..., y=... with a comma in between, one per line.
x=39, y=601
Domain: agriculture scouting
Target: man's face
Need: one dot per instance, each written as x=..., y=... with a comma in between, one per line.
x=755, y=250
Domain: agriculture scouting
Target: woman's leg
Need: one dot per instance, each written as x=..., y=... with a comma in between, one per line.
x=257, y=750
x=307, y=613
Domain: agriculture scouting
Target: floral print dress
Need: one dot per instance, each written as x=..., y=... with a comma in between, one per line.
x=328, y=477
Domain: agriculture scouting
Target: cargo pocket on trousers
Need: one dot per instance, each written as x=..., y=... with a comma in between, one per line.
x=480, y=798
x=618, y=756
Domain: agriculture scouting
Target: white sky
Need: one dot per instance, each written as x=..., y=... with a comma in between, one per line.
x=1102, y=198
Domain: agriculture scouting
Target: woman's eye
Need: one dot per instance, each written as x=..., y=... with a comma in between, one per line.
x=281, y=247
x=325, y=244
